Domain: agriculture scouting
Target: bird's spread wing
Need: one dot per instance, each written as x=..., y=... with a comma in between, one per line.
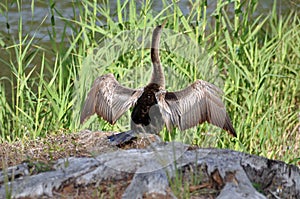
x=194, y=105
x=109, y=99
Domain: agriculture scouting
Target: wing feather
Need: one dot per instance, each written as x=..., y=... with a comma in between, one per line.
x=194, y=105
x=109, y=99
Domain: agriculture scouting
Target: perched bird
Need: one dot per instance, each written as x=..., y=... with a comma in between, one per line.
x=154, y=106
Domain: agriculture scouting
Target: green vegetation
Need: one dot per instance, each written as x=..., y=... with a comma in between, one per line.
x=256, y=58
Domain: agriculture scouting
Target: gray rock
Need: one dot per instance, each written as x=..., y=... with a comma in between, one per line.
x=234, y=173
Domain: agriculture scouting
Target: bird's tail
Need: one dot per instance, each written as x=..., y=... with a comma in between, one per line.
x=121, y=138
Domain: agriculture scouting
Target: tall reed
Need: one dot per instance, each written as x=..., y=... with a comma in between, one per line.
x=254, y=59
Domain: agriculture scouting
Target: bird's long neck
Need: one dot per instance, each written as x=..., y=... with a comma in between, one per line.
x=157, y=73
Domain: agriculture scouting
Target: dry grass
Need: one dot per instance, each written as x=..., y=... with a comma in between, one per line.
x=61, y=145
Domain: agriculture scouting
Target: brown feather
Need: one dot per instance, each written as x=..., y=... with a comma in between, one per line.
x=109, y=99
x=194, y=105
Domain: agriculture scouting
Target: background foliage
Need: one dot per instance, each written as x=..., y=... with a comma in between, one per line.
x=257, y=59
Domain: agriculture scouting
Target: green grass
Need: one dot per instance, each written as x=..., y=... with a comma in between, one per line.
x=255, y=61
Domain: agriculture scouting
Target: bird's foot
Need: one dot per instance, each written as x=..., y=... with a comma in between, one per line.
x=121, y=138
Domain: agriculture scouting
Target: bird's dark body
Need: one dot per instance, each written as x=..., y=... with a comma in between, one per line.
x=140, y=113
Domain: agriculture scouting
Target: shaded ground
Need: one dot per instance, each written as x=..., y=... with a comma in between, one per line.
x=54, y=147
x=45, y=151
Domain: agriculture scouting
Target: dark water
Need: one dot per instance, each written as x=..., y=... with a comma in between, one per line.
x=40, y=17
x=37, y=21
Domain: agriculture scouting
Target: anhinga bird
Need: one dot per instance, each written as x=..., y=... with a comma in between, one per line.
x=153, y=106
